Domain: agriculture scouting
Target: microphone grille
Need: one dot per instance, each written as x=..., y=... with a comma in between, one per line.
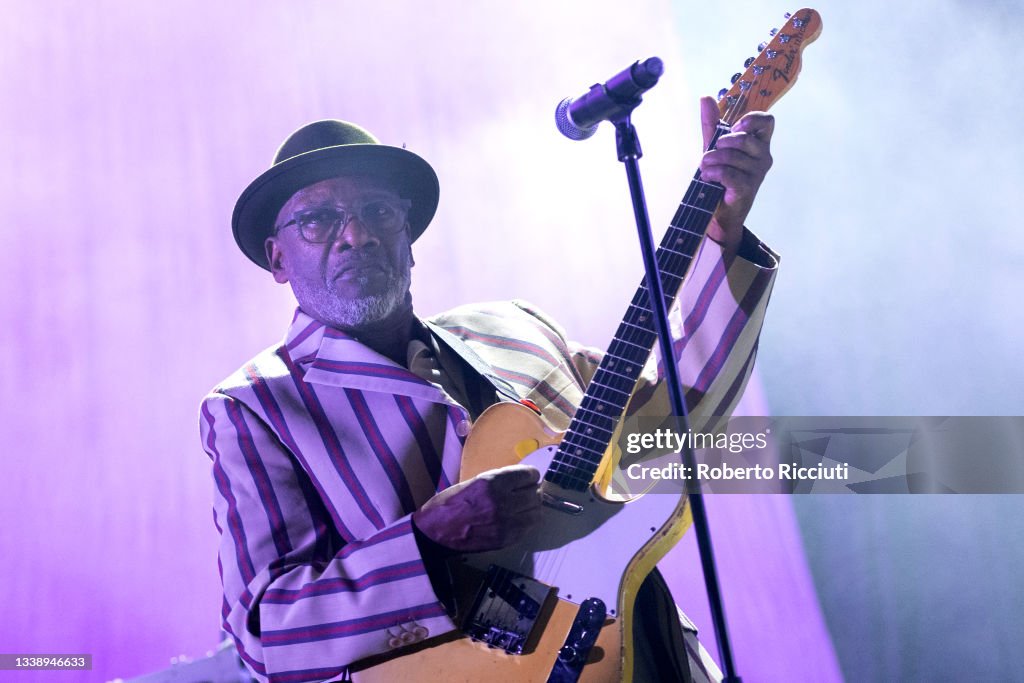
x=565, y=124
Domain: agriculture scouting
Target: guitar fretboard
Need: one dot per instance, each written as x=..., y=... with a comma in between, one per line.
x=581, y=450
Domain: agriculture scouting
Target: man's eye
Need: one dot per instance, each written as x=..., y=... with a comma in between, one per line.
x=319, y=219
x=378, y=210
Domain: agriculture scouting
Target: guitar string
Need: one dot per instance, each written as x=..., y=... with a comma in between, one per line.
x=504, y=606
x=501, y=578
x=732, y=108
x=631, y=331
x=552, y=563
x=630, y=335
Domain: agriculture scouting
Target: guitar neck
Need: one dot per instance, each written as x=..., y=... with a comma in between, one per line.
x=768, y=76
x=582, y=449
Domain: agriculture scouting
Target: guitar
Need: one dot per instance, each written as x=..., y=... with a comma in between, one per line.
x=558, y=607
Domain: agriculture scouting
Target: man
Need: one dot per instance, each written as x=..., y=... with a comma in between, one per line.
x=336, y=454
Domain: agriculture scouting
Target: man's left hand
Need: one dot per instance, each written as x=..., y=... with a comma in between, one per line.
x=739, y=162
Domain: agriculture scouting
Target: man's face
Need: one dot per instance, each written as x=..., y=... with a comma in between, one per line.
x=358, y=277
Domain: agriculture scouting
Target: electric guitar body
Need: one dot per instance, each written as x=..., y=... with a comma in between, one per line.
x=558, y=606
x=587, y=548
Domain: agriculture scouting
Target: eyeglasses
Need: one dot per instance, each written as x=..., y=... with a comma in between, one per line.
x=382, y=217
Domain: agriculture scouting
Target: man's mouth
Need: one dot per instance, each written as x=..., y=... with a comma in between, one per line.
x=358, y=269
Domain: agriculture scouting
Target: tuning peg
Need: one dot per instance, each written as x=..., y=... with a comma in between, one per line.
x=761, y=46
x=735, y=77
x=787, y=15
x=721, y=93
x=750, y=60
x=773, y=31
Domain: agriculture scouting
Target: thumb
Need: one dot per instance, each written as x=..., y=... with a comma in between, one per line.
x=708, y=118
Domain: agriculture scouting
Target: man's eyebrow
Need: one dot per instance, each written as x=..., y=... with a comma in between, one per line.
x=389, y=194
x=312, y=206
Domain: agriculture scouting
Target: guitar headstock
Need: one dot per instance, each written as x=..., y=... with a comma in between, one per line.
x=773, y=71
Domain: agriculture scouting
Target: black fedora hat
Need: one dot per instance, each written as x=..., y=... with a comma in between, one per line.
x=322, y=150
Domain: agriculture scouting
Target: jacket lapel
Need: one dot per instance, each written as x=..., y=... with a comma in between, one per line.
x=331, y=357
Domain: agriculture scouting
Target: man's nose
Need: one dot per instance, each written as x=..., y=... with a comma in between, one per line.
x=354, y=234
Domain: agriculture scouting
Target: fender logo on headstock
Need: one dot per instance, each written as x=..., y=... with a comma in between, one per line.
x=778, y=62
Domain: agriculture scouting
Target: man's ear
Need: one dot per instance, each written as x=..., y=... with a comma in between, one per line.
x=275, y=257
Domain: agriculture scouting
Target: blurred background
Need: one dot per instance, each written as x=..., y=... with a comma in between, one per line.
x=129, y=129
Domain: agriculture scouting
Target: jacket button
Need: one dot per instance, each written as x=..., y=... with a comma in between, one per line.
x=462, y=427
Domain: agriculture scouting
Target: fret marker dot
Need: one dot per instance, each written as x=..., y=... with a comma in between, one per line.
x=700, y=196
x=600, y=406
x=589, y=430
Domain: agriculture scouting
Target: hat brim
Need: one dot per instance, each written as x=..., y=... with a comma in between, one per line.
x=257, y=208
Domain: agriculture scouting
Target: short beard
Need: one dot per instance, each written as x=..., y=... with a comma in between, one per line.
x=349, y=314
x=354, y=313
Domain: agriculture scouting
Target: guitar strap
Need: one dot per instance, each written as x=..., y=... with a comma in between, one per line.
x=483, y=387
x=658, y=642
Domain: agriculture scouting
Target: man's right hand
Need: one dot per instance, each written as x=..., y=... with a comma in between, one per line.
x=490, y=511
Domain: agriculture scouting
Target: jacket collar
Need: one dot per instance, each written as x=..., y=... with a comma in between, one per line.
x=329, y=356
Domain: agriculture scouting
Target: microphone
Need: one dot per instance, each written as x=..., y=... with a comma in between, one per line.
x=577, y=118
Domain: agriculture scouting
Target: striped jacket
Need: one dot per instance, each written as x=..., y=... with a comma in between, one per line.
x=322, y=449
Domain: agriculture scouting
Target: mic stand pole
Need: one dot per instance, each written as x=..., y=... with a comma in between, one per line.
x=628, y=147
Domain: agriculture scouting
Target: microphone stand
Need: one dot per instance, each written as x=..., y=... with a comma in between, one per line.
x=628, y=148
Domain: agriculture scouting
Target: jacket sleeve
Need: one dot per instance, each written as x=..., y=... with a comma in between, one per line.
x=300, y=600
x=716, y=325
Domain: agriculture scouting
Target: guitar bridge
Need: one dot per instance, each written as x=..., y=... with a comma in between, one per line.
x=506, y=610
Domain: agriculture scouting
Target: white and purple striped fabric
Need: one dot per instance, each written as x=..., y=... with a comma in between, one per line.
x=322, y=449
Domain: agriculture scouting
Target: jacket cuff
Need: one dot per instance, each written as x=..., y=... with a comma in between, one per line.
x=756, y=252
x=435, y=561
